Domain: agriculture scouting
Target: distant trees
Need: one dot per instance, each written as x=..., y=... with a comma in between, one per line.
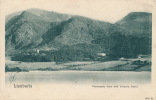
x=139, y=62
x=62, y=56
x=120, y=46
x=59, y=56
x=32, y=57
x=15, y=69
x=129, y=46
x=116, y=45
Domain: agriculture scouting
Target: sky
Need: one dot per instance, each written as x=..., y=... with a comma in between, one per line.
x=105, y=10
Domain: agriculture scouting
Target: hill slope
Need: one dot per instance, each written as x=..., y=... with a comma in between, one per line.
x=45, y=30
x=24, y=29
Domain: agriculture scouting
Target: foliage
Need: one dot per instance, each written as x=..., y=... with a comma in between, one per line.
x=32, y=57
x=15, y=69
x=139, y=62
x=129, y=46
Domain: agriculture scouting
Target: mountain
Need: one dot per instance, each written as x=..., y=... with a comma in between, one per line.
x=136, y=23
x=136, y=30
x=76, y=30
x=36, y=28
x=45, y=30
x=136, y=17
x=8, y=17
x=24, y=29
x=49, y=15
x=27, y=27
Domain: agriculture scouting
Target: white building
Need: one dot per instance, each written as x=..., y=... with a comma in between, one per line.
x=101, y=54
x=38, y=51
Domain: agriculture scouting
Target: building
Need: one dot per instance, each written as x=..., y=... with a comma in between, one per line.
x=101, y=54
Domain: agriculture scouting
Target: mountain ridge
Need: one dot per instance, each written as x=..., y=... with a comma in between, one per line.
x=42, y=30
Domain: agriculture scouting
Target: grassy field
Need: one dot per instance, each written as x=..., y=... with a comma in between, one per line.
x=118, y=65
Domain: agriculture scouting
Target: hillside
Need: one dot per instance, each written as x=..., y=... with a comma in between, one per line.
x=49, y=15
x=76, y=30
x=24, y=29
x=37, y=29
x=61, y=34
x=136, y=23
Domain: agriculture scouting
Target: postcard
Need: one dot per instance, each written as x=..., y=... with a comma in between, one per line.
x=77, y=50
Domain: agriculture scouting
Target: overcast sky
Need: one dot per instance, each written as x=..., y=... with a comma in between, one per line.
x=106, y=10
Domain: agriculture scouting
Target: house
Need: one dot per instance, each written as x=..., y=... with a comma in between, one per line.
x=122, y=58
x=139, y=56
x=38, y=51
x=101, y=54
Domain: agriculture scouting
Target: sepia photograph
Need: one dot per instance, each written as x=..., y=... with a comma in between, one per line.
x=40, y=44
x=97, y=44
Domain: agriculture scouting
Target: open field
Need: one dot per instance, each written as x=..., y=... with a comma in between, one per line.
x=118, y=65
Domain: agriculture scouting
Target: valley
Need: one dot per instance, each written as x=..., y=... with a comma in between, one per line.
x=43, y=40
